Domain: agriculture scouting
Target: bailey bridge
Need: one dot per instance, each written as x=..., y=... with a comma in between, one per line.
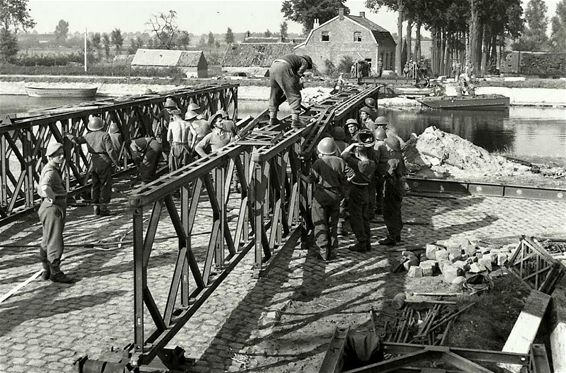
x=200, y=222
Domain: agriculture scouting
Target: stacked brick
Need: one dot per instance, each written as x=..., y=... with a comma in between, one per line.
x=453, y=259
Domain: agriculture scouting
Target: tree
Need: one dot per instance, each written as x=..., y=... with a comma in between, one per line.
x=210, y=41
x=117, y=39
x=534, y=37
x=306, y=11
x=139, y=41
x=229, y=38
x=164, y=25
x=96, y=42
x=558, y=35
x=133, y=46
x=106, y=44
x=61, y=31
x=284, y=31
x=267, y=33
x=202, y=41
x=14, y=15
x=8, y=44
x=183, y=39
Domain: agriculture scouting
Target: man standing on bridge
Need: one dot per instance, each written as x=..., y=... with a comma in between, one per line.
x=285, y=78
x=52, y=213
x=178, y=135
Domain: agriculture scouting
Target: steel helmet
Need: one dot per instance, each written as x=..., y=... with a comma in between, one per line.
x=393, y=142
x=113, y=128
x=364, y=138
x=53, y=148
x=352, y=121
x=370, y=102
x=170, y=103
x=327, y=146
x=339, y=134
x=189, y=115
x=380, y=134
x=193, y=107
x=381, y=121
x=309, y=61
x=95, y=124
x=366, y=110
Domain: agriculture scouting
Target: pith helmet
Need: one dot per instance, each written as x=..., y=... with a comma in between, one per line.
x=53, y=148
x=190, y=115
x=381, y=121
x=364, y=138
x=170, y=103
x=193, y=107
x=95, y=124
x=327, y=146
x=380, y=134
x=393, y=142
x=309, y=61
x=370, y=102
x=339, y=134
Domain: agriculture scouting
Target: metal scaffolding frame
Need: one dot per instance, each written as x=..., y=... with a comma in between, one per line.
x=23, y=140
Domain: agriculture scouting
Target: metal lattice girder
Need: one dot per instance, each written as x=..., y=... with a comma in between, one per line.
x=535, y=266
x=23, y=140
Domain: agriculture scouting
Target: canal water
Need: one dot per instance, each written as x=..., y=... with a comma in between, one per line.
x=521, y=132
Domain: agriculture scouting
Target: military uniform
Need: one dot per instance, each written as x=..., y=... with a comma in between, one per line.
x=103, y=156
x=358, y=204
x=147, y=152
x=328, y=174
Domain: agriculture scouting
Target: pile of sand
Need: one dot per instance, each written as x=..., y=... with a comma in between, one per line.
x=450, y=155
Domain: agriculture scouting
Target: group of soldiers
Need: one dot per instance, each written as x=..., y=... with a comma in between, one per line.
x=181, y=138
x=360, y=173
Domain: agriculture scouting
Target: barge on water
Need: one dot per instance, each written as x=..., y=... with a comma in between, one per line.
x=76, y=92
x=477, y=102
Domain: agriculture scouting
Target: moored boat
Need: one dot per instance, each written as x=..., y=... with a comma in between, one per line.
x=477, y=102
x=36, y=91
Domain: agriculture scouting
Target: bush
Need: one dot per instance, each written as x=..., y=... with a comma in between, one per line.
x=331, y=70
x=345, y=64
x=535, y=63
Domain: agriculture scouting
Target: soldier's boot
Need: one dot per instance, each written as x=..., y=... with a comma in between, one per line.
x=45, y=264
x=57, y=275
x=296, y=122
x=96, y=210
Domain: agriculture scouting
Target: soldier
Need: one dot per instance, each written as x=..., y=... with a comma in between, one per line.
x=328, y=175
x=365, y=119
x=178, y=135
x=103, y=157
x=197, y=109
x=356, y=156
x=201, y=127
x=372, y=105
x=339, y=138
x=352, y=128
x=215, y=140
x=393, y=190
x=115, y=137
x=285, y=78
x=381, y=160
x=146, y=152
x=52, y=214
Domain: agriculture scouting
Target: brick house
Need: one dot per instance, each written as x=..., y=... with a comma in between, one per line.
x=348, y=35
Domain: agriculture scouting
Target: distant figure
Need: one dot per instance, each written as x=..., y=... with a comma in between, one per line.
x=379, y=67
x=285, y=79
x=146, y=152
x=103, y=157
x=52, y=214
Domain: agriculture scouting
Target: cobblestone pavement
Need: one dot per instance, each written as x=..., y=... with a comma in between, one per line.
x=247, y=324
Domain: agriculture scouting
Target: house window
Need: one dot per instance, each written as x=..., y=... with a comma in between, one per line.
x=325, y=36
x=357, y=37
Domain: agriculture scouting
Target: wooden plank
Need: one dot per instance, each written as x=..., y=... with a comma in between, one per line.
x=525, y=329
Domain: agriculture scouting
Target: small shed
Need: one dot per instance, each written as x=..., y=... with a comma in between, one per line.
x=254, y=59
x=191, y=63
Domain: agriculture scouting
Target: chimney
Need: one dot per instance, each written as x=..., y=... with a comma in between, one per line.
x=341, y=13
x=363, y=14
x=316, y=23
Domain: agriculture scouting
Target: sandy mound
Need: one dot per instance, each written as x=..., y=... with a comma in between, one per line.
x=450, y=155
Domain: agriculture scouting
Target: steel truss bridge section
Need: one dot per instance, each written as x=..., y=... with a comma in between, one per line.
x=266, y=164
x=23, y=140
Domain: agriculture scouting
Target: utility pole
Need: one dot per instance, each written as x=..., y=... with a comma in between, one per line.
x=85, y=50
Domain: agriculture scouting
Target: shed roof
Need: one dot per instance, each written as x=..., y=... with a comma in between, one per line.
x=166, y=57
x=245, y=55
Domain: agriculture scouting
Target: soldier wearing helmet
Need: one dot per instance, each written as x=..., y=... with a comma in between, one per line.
x=103, y=157
x=352, y=127
x=285, y=79
x=366, y=118
x=380, y=136
x=328, y=174
x=391, y=169
x=357, y=157
x=371, y=104
x=115, y=136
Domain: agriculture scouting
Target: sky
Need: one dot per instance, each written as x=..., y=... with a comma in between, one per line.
x=195, y=16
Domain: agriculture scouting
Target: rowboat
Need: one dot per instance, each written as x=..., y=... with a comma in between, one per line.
x=35, y=91
x=477, y=102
